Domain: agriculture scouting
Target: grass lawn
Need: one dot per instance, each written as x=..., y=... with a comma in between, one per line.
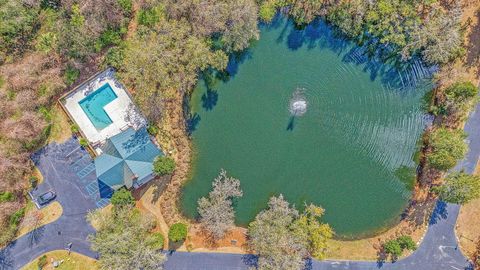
x=36, y=173
x=105, y=210
x=60, y=131
x=74, y=261
x=467, y=228
x=35, y=218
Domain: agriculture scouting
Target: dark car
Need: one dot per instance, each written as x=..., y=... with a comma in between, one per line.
x=46, y=197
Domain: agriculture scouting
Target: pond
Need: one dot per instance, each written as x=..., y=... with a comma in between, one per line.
x=351, y=151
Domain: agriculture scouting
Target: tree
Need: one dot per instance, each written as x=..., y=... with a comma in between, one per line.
x=461, y=92
x=448, y=146
x=315, y=233
x=349, y=17
x=235, y=21
x=460, y=97
x=165, y=60
x=120, y=240
x=305, y=11
x=122, y=197
x=177, y=232
x=163, y=165
x=459, y=188
x=216, y=211
x=18, y=21
x=155, y=241
x=440, y=37
x=272, y=238
x=241, y=26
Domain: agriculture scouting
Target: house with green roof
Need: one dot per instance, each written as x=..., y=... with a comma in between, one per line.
x=126, y=159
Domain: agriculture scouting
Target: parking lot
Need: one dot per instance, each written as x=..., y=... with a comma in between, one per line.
x=69, y=170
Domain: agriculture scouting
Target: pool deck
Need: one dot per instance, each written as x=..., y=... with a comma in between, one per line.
x=121, y=110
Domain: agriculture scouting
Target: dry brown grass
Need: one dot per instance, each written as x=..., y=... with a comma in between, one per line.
x=468, y=227
x=46, y=215
x=60, y=131
x=105, y=210
x=74, y=261
x=37, y=174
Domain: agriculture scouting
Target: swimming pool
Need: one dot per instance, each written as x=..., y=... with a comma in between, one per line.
x=93, y=105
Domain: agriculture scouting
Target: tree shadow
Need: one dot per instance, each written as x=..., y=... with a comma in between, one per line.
x=159, y=185
x=234, y=62
x=209, y=99
x=6, y=258
x=175, y=245
x=440, y=212
x=35, y=236
x=379, y=61
x=381, y=258
x=192, y=120
x=250, y=260
x=136, y=141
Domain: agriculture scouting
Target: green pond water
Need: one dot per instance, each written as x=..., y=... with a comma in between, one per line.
x=352, y=151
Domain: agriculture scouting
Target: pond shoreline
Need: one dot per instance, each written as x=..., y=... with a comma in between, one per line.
x=173, y=137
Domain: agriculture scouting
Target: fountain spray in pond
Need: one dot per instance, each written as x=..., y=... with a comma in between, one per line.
x=298, y=103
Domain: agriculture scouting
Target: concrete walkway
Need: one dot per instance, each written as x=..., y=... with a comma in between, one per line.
x=438, y=251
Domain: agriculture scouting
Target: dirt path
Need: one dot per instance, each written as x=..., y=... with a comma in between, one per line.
x=133, y=24
x=146, y=203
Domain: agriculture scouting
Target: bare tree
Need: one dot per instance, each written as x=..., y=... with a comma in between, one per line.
x=216, y=211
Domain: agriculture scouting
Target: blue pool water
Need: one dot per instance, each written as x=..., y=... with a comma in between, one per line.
x=93, y=105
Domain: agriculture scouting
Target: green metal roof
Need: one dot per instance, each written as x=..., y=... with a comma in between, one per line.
x=127, y=159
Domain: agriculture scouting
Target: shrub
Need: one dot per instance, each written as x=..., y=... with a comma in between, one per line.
x=461, y=92
x=109, y=37
x=16, y=217
x=163, y=165
x=155, y=241
x=33, y=181
x=267, y=11
x=122, y=197
x=393, y=248
x=152, y=129
x=126, y=5
x=406, y=242
x=149, y=17
x=177, y=232
x=71, y=75
x=42, y=262
x=83, y=142
x=74, y=128
x=448, y=146
x=6, y=197
x=114, y=57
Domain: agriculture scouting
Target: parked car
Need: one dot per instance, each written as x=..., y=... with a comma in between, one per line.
x=46, y=197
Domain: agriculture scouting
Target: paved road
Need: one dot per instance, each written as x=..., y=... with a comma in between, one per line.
x=54, y=162
x=438, y=251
